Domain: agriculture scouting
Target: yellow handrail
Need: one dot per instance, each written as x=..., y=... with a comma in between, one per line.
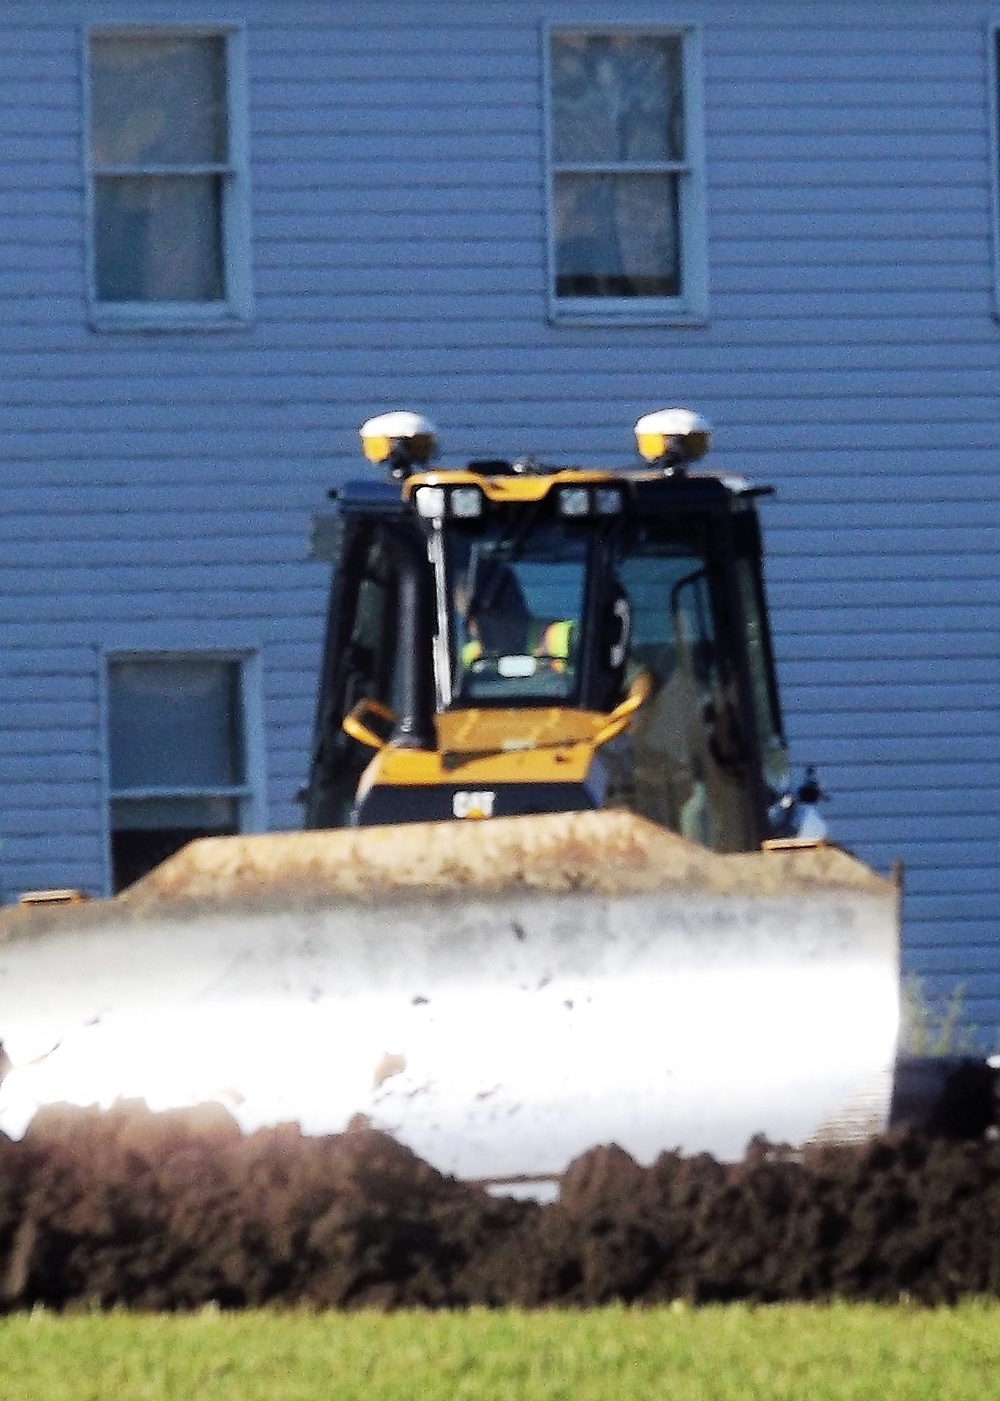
x=638, y=694
x=354, y=724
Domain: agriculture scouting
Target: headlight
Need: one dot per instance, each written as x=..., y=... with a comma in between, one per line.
x=460, y=502
x=574, y=501
x=589, y=501
x=430, y=502
x=607, y=501
x=465, y=502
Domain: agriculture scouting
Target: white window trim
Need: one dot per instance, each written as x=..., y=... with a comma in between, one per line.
x=251, y=794
x=236, y=306
x=993, y=126
x=691, y=307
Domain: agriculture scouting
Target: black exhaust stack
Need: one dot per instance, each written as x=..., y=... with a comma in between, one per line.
x=414, y=727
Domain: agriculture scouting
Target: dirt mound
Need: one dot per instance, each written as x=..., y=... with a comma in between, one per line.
x=173, y=1211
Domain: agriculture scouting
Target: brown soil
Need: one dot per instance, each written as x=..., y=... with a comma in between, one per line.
x=173, y=1211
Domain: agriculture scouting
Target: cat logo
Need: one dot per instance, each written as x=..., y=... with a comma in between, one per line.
x=473, y=805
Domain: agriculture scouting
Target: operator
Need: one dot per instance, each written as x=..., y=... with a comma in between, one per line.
x=549, y=641
x=497, y=621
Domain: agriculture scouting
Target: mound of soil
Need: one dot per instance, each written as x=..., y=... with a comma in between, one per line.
x=173, y=1211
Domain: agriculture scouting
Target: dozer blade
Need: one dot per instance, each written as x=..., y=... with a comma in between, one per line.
x=500, y=996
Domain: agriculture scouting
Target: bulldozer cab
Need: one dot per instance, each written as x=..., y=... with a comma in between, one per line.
x=548, y=640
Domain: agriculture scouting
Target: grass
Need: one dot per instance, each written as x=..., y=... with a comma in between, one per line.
x=933, y=1026
x=712, y=1354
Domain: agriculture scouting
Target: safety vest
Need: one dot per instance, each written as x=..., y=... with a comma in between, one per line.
x=555, y=640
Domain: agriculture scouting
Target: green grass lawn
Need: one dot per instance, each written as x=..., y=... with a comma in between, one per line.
x=712, y=1354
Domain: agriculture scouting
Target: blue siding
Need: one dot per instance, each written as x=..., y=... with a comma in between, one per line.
x=158, y=487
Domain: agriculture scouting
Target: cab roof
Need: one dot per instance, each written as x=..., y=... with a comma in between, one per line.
x=646, y=491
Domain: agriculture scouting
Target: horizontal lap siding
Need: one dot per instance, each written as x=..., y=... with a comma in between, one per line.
x=49, y=741
x=853, y=251
x=851, y=358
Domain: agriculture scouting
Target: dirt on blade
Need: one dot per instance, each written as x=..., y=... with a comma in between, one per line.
x=173, y=1211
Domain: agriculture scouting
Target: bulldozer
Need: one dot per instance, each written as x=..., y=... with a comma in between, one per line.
x=555, y=886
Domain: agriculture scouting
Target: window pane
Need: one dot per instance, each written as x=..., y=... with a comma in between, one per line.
x=159, y=239
x=174, y=724
x=617, y=236
x=517, y=608
x=617, y=97
x=158, y=100
x=671, y=767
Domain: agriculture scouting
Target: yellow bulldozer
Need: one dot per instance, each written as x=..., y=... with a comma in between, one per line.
x=555, y=886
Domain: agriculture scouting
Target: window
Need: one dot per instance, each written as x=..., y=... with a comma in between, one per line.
x=177, y=755
x=627, y=226
x=167, y=178
x=684, y=765
x=518, y=609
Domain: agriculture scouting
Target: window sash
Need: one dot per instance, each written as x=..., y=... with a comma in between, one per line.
x=616, y=95
x=175, y=723
x=159, y=239
x=158, y=95
x=623, y=235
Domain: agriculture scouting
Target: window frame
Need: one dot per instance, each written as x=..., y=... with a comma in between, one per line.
x=235, y=307
x=690, y=307
x=249, y=795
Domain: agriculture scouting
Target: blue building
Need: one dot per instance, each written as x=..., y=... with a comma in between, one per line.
x=232, y=232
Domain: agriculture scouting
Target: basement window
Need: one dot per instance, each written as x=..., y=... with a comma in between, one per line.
x=177, y=755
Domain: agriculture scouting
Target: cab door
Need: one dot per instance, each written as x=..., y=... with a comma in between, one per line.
x=689, y=755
